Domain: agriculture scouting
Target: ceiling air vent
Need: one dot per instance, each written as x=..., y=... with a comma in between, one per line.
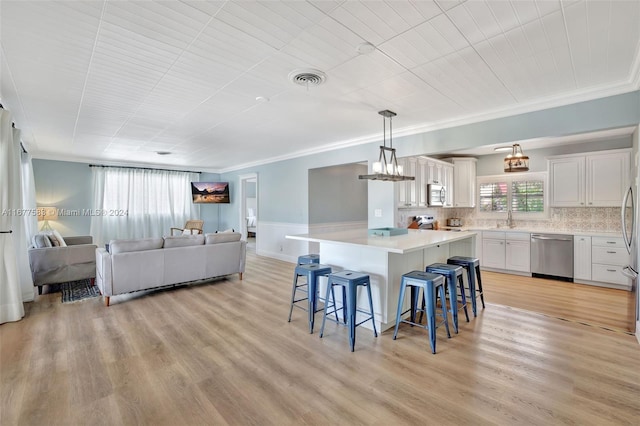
x=307, y=77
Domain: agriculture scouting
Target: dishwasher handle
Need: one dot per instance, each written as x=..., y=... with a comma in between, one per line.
x=545, y=237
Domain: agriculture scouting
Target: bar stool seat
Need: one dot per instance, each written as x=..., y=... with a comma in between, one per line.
x=349, y=281
x=452, y=273
x=312, y=271
x=430, y=284
x=308, y=258
x=472, y=266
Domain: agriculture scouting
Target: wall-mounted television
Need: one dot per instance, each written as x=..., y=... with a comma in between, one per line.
x=210, y=192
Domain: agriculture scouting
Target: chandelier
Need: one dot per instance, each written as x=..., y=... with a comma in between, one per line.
x=516, y=161
x=387, y=168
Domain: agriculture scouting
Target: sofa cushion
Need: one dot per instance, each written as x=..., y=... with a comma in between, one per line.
x=125, y=246
x=41, y=240
x=222, y=237
x=183, y=241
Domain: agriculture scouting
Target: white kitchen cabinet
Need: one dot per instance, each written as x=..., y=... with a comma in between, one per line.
x=447, y=182
x=434, y=170
x=413, y=193
x=509, y=251
x=607, y=179
x=581, y=258
x=518, y=255
x=599, y=261
x=597, y=179
x=464, y=182
x=493, y=250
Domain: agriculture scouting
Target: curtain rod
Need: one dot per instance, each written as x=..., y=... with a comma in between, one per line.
x=140, y=168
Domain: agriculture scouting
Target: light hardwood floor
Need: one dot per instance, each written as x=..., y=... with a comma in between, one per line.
x=223, y=353
x=586, y=304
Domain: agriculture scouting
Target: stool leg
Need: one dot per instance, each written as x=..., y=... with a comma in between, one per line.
x=329, y=292
x=415, y=292
x=312, y=280
x=293, y=294
x=464, y=297
x=472, y=289
x=444, y=313
x=351, y=314
x=479, y=286
x=453, y=301
x=373, y=317
x=403, y=287
x=431, y=316
x=344, y=304
x=335, y=311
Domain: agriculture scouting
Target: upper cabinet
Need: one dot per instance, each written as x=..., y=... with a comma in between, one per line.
x=595, y=179
x=464, y=182
x=413, y=193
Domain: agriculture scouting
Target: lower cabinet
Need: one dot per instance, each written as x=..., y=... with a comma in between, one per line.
x=510, y=251
x=599, y=261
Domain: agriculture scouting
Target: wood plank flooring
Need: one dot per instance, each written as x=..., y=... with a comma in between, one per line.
x=223, y=353
x=598, y=306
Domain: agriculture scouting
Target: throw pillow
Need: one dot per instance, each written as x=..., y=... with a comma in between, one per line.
x=41, y=241
x=56, y=239
x=225, y=231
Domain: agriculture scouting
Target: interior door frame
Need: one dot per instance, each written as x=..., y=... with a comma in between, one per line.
x=243, y=203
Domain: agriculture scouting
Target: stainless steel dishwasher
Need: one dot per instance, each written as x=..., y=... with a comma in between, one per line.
x=552, y=256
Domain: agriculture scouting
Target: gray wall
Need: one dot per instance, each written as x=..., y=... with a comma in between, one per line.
x=337, y=195
x=67, y=186
x=493, y=164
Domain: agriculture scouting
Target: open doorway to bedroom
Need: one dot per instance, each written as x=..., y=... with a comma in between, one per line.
x=249, y=209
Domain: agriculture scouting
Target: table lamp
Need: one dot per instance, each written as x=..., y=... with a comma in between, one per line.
x=46, y=214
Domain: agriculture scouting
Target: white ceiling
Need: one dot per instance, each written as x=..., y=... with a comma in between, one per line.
x=116, y=81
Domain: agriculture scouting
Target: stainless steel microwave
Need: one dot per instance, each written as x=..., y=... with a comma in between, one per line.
x=435, y=195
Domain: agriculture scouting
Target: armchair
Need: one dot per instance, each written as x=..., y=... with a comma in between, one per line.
x=192, y=227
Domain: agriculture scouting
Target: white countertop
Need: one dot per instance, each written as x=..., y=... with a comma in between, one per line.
x=543, y=231
x=416, y=239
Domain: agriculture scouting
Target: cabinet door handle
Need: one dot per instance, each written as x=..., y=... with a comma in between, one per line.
x=611, y=242
x=612, y=252
x=611, y=270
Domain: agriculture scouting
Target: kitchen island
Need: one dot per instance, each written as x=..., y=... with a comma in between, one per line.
x=386, y=259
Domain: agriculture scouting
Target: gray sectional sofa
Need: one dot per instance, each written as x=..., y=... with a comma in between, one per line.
x=133, y=265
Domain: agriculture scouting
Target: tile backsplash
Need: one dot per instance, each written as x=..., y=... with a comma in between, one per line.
x=602, y=219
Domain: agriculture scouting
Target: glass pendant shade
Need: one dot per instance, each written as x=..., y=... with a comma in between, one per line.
x=516, y=161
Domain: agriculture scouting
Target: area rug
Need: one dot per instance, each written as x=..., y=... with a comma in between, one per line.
x=74, y=291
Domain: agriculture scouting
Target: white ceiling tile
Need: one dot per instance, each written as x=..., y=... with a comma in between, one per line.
x=447, y=4
x=449, y=32
x=504, y=13
x=409, y=12
x=463, y=20
x=546, y=7
x=412, y=49
x=483, y=17
x=526, y=10
x=427, y=8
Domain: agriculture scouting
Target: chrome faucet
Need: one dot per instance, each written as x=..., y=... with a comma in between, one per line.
x=510, y=223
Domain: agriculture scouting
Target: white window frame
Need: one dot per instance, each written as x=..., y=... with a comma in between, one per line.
x=509, y=178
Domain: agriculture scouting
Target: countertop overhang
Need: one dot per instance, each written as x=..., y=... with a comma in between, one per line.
x=415, y=239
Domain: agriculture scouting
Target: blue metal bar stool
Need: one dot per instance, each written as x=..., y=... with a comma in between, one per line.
x=430, y=285
x=472, y=265
x=452, y=273
x=350, y=281
x=312, y=272
x=308, y=258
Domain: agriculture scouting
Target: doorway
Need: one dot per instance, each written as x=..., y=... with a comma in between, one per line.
x=249, y=209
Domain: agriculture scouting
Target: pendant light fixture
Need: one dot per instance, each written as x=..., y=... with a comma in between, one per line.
x=386, y=168
x=516, y=161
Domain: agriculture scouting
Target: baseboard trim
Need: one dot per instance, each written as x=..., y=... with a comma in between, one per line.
x=278, y=256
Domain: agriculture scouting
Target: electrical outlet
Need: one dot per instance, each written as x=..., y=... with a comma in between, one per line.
x=377, y=212
x=281, y=248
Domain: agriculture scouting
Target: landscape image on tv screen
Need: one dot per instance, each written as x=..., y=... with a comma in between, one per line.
x=210, y=192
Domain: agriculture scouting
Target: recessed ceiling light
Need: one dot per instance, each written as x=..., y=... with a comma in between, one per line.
x=163, y=152
x=365, y=48
x=503, y=148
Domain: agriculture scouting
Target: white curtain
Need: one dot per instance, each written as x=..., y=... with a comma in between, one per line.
x=14, y=280
x=140, y=203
